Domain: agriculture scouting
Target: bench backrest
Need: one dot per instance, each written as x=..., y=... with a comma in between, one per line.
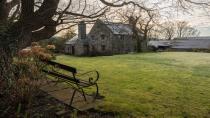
x=62, y=66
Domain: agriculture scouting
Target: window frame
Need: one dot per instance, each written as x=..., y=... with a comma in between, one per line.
x=103, y=36
x=103, y=47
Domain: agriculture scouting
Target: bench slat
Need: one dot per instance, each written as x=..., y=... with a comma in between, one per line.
x=62, y=66
x=61, y=76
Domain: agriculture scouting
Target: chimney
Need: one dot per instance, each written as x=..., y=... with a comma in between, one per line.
x=82, y=30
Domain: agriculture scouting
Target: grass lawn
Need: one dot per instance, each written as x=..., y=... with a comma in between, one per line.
x=168, y=84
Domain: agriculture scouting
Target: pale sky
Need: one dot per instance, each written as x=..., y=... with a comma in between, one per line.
x=199, y=21
x=197, y=16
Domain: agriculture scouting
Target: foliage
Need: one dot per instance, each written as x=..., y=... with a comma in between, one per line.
x=69, y=34
x=28, y=64
x=27, y=67
x=58, y=42
x=168, y=84
x=173, y=30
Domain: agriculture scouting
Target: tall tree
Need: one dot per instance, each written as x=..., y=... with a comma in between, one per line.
x=142, y=22
x=146, y=24
x=168, y=30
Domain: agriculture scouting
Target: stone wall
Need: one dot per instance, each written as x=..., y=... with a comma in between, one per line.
x=123, y=44
x=80, y=48
x=100, y=39
x=68, y=49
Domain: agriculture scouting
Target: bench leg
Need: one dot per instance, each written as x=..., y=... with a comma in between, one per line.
x=72, y=98
x=83, y=93
x=97, y=91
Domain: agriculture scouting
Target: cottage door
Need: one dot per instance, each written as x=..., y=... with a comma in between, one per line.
x=72, y=50
x=86, y=47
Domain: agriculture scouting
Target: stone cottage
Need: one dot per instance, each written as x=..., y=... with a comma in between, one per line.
x=105, y=38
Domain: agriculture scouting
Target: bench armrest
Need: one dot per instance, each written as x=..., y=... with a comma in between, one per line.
x=93, y=76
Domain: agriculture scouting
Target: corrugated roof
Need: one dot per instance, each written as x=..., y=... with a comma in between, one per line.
x=183, y=44
x=159, y=43
x=193, y=38
x=191, y=44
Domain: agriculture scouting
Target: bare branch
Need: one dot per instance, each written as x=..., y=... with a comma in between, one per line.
x=198, y=3
x=124, y=4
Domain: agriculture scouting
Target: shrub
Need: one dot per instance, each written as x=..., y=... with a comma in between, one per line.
x=58, y=42
x=27, y=70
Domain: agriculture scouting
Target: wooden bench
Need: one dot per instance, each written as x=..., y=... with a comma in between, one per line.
x=67, y=74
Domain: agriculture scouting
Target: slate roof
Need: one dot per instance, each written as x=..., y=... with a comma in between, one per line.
x=75, y=40
x=120, y=28
x=72, y=40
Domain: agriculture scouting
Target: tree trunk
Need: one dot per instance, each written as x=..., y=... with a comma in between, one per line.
x=136, y=36
x=143, y=42
x=6, y=72
x=138, y=45
x=8, y=47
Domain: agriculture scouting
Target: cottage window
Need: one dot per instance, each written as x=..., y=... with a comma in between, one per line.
x=93, y=47
x=103, y=47
x=92, y=37
x=102, y=36
x=122, y=37
x=69, y=49
x=72, y=50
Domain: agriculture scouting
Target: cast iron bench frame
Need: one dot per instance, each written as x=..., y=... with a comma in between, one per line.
x=79, y=83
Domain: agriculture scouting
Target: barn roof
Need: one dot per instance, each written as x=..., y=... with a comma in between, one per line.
x=159, y=43
x=191, y=44
x=198, y=43
x=193, y=38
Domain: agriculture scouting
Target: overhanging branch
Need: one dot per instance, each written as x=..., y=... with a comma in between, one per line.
x=124, y=4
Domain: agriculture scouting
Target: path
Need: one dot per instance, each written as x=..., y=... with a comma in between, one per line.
x=62, y=92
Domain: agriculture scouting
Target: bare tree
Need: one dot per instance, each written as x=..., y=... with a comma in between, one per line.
x=133, y=22
x=168, y=30
x=146, y=24
x=185, y=30
x=142, y=22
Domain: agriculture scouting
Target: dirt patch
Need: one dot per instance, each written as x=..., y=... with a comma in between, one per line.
x=44, y=106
